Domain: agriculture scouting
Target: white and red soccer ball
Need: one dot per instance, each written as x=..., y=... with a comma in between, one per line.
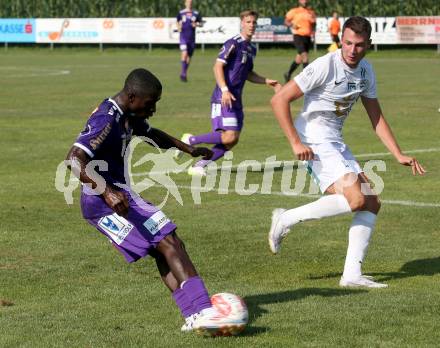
x=233, y=307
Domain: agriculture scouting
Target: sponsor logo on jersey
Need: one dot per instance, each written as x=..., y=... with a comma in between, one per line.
x=116, y=227
x=94, y=143
x=156, y=222
x=351, y=86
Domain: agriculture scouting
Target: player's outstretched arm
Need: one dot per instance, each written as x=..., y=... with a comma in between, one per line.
x=115, y=199
x=166, y=141
x=256, y=78
x=281, y=108
x=385, y=134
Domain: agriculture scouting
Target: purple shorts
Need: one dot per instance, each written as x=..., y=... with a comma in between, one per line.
x=188, y=46
x=226, y=118
x=142, y=230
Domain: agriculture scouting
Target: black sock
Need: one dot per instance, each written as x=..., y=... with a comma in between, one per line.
x=304, y=65
x=292, y=68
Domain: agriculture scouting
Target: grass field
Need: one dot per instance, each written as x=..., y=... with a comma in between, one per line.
x=70, y=288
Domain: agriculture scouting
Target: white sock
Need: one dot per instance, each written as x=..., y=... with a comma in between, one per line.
x=359, y=236
x=326, y=206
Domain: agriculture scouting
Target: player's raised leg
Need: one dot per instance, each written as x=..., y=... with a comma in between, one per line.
x=284, y=220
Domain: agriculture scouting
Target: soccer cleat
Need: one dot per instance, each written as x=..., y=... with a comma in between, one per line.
x=183, y=78
x=211, y=322
x=362, y=281
x=197, y=171
x=189, y=323
x=277, y=231
x=185, y=139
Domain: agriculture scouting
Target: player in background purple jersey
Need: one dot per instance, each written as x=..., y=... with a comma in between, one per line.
x=187, y=21
x=234, y=65
x=135, y=227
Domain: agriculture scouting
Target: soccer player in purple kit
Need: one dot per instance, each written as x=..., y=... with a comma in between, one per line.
x=187, y=21
x=135, y=227
x=234, y=65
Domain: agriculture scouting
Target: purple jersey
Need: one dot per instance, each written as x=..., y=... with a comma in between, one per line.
x=187, y=18
x=238, y=56
x=106, y=136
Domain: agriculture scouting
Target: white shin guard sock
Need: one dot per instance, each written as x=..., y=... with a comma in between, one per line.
x=326, y=206
x=359, y=236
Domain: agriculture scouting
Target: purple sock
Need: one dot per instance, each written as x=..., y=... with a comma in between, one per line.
x=218, y=150
x=184, y=68
x=208, y=138
x=196, y=293
x=183, y=303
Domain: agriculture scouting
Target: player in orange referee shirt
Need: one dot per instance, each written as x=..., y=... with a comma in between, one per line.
x=302, y=22
x=334, y=27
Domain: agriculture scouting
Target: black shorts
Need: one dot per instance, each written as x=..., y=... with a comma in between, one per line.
x=302, y=43
x=335, y=38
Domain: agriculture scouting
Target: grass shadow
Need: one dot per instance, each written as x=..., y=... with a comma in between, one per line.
x=422, y=267
x=255, y=302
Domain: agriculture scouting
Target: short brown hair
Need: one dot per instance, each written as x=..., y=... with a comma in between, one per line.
x=359, y=25
x=246, y=13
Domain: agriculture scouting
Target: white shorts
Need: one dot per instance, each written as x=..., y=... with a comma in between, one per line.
x=332, y=161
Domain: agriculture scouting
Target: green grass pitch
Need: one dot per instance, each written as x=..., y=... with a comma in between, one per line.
x=70, y=288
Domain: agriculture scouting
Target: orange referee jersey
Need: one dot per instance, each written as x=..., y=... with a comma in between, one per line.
x=302, y=20
x=334, y=26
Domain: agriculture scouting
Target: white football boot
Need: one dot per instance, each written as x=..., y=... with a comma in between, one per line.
x=211, y=322
x=277, y=231
x=185, y=139
x=363, y=281
x=189, y=323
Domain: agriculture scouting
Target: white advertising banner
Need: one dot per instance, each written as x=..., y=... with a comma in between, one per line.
x=383, y=30
x=68, y=30
x=125, y=30
x=163, y=30
x=419, y=30
x=218, y=30
x=214, y=30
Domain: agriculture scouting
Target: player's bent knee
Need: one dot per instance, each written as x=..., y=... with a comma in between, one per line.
x=357, y=202
x=229, y=139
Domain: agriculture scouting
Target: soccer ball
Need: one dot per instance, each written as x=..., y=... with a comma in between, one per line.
x=233, y=307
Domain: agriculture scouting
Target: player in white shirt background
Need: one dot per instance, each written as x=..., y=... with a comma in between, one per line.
x=331, y=85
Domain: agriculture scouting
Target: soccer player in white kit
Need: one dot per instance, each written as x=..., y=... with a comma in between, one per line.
x=331, y=85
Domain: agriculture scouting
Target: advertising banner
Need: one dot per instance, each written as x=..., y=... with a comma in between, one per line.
x=68, y=30
x=418, y=30
x=273, y=30
x=125, y=30
x=17, y=30
x=217, y=30
x=163, y=30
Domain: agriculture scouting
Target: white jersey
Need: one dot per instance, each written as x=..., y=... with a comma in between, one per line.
x=330, y=90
